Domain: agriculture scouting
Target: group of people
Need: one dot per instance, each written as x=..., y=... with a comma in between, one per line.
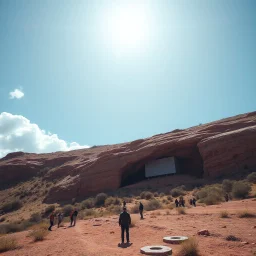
x=181, y=202
x=60, y=216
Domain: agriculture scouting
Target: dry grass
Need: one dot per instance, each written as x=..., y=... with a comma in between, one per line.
x=39, y=234
x=189, y=248
x=7, y=244
x=181, y=210
x=224, y=214
x=246, y=214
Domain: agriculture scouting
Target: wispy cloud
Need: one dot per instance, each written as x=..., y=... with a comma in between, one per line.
x=17, y=133
x=16, y=94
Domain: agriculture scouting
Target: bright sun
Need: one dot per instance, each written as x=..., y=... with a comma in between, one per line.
x=126, y=28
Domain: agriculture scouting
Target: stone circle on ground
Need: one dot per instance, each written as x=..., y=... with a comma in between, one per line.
x=175, y=239
x=156, y=250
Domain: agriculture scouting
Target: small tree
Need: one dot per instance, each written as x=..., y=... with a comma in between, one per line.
x=100, y=199
x=241, y=189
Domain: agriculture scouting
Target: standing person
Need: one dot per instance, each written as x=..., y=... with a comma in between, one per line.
x=71, y=218
x=124, y=204
x=51, y=221
x=194, y=202
x=191, y=201
x=75, y=213
x=124, y=223
x=60, y=218
x=177, y=202
x=141, y=207
x=226, y=197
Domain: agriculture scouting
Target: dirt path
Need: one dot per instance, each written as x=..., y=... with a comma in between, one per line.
x=102, y=236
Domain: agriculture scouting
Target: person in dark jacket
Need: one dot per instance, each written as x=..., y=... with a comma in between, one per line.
x=51, y=221
x=194, y=202
x=177, y=202
x=73, y=217
x=124, y=223
x=141, y=210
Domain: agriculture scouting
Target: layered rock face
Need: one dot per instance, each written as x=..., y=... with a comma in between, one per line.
x=211, y=150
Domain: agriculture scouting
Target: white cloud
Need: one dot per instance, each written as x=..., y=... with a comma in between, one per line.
x=18, y=134
x=16, y=94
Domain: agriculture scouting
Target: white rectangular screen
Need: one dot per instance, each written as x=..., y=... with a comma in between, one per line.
x=160, y=167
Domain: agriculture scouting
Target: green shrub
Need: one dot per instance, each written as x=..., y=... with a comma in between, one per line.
x=146, y=195
x=7, y=244
x=11, y=206
x=153, y=205
x=175, y=192
x=14, y=227
x=127, y=199
x=162, y=194
x=252, y=177
x=156, y=194
x=88, y=203
x=49, y=209
x=241, y=189
x=112, y=201
x=67, y=209
x=227, y=185
x=35, y=217
x=116, y=209
x=89, y=212
x=169, y=198
x=189, y=248
x=246, y=214
x=100, y=199
x=210, y=195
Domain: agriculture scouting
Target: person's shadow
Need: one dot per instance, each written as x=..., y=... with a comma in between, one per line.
x=124, y=245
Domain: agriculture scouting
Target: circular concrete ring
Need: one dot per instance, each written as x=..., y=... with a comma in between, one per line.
x=175, y=239
x=156, y=250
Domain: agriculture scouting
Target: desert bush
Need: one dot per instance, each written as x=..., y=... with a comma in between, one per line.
x=49, y=209
x=181, y=210
x=35, y=217
x=224, y=214
x=7, y=244
x=162, y=194
x=116, y=209
x=112, y=201
x=227, y=185
x=156, y=194
x=38, y=234
x=241, y=189
x=100, y=199
x=146, y=195
x=134, y=209
x=169, y=198
x=210, y=195
x=246, y=214
x=189, y=248
x=2, y=219
x=14, y=227
x=232, y=238
x=252, y=177
x=127, y=199
x=164, y=201
x=153, y=205
x=88, y=203
x=11, y=206
x=175, y=192
x=89, y=212
x=67, y=209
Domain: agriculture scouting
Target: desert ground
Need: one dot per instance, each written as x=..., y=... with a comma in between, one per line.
x=101, y=236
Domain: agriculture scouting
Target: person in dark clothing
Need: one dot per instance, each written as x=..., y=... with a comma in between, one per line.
x=60, y=218
x=73, y=217
x=191, y=201
x=124, y=223
x=141, y=207
x=51, y=221
x=177, y=202
x=226, y=197
x=194, y=202
x=183, y=202
x=124, y=204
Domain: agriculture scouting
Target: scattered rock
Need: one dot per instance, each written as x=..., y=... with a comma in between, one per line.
x=244, y=243
x=112, y=232
x=203, y=232
x=224, y=226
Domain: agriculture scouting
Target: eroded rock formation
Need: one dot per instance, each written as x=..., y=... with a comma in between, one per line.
x=212, y=149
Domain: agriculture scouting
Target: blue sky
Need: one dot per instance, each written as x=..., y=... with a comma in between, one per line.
x=196, y=63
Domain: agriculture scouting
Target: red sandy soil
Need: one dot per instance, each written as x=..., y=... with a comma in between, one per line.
x=101, y=236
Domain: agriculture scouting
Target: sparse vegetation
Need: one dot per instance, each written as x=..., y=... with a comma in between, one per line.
x=252, y=177
x=241, y=189
x=11, y=206
x=88, y=203
x=227, y=185
x=116, y=209
x=156, y=194
x=169, y=198
x=35, y=217
x=7, y=244
x=246, y=214
x=181, y=210
x=224, y=214
x=232, y=238
x=38, y=234
x=100, y=199
x=189, y=248
x=153, y=205
x=134, y=209
x=210, y=195
x=112, y=201
x=162, y=194
x=175, y=192
x=67, y=209
x=146, y=195
x=49, y=209
x=14, y=227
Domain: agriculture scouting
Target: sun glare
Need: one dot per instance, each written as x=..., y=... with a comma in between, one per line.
x=126, y=28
